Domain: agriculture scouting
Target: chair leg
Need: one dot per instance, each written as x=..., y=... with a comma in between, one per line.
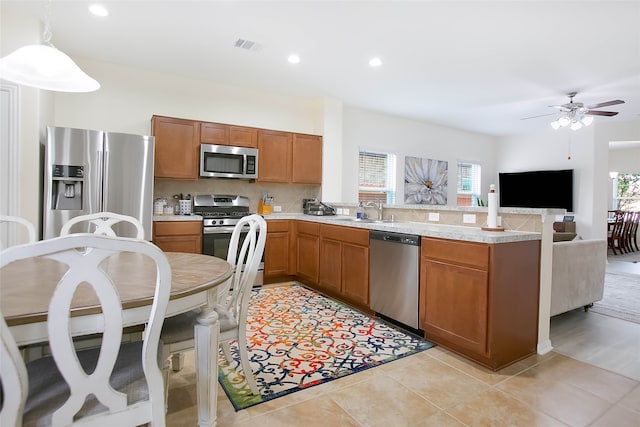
x=246, y=367
x=226, y=351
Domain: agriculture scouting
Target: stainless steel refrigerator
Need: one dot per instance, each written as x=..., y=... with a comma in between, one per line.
x=89, y=171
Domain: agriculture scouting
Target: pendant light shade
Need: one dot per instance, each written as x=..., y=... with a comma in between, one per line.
x=45, y=67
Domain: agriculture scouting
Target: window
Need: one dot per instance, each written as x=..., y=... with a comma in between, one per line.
x=468, y=184
x=626, y=195
x=377, y=177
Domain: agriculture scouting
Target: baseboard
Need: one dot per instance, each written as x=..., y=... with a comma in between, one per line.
x=544, y=347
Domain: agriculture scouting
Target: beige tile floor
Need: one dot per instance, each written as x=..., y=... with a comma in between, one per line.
x=591, y=379
x=438, y=388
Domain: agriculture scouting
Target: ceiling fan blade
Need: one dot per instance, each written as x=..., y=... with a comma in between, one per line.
x=605, y=104
x=541, y=115
x=601, y=113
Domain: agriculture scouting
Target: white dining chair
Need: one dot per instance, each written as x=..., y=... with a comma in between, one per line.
x=13, y=377
x=16, y=220
x=126, y=386
x=104, y=222
x=178, y=332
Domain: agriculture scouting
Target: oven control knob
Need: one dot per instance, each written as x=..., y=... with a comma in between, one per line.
x=213, y=222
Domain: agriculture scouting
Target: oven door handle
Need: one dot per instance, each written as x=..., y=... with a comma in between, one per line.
x=218, y=230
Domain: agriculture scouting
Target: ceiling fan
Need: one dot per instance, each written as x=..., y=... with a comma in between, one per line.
x=576, y=114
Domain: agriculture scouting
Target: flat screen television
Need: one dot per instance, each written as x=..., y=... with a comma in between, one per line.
x=537, y=189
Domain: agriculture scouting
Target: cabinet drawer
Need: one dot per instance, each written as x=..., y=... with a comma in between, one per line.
x=308, y=228
x=174, y=228
x=355, y=236
x=277, y=225
x=457, y=252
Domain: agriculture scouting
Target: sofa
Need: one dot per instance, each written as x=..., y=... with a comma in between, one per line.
x=577, y=274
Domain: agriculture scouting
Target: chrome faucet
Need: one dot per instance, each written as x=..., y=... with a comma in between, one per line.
x=377, y=205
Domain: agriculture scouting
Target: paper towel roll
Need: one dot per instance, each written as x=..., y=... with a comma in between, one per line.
x=492, y=216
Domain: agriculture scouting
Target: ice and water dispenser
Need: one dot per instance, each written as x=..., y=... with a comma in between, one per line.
x=67, y=184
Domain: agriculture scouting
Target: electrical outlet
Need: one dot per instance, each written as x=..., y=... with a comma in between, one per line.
x=277, y=208
x=345, y=211
x=499, y=221
x=434, y=216
x=339, y=211
x=469, y=218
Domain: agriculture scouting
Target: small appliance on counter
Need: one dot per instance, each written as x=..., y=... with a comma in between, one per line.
x=315, y=207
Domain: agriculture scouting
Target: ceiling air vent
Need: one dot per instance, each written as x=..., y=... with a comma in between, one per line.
x=248, y=45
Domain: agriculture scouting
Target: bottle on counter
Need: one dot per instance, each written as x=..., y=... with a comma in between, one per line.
x=359, y=211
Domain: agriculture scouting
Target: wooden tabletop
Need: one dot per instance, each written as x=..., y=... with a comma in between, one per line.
x=26, y=286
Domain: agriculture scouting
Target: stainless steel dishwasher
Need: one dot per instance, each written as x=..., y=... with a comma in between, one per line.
x=393, y=276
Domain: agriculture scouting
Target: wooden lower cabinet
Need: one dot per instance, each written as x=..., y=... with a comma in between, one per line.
x=277, y=249
x=178, y=236
x=481, y=300
x=344, y=263
x=307, y=251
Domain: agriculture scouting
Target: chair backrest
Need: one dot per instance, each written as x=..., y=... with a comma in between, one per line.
x=104, y=222
x=13, y=378
x=81, y=256
x=245, y=254
x=31, y=230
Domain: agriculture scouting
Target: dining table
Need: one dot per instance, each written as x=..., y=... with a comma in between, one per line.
x=26, y=287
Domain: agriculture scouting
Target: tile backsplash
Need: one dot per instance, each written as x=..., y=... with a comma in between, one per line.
x=288, y=196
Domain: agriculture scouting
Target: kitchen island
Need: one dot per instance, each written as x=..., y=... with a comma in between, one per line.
x=478, y=290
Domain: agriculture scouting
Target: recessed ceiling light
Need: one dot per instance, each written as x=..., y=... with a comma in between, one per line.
x=375, y=62
x=98, y=10
x=293, y=59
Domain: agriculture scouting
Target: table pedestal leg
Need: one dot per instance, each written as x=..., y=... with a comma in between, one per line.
x=207, y=330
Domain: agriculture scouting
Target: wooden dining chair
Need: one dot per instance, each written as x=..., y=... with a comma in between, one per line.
x=614, y=235
x=114, y=385
x=233, y=302
x=103, y=223
x=30, y=229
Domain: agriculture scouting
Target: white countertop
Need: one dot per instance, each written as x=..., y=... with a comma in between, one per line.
x=455, y=232
x=177, y=218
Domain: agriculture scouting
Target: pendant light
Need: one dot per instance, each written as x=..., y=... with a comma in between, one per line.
x=44, y=67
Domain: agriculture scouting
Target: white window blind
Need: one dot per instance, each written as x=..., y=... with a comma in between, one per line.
x=468, y=184
x=376, y=176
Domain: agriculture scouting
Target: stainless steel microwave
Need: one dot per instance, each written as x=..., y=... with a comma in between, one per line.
x=223, y=161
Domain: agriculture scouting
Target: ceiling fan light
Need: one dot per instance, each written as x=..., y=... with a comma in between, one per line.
x=586, y=120
x=45, y=67
x=576, y=125
x=564, y=121
x=555, y=125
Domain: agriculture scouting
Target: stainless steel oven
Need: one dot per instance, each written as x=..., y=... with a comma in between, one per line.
x=221, y=214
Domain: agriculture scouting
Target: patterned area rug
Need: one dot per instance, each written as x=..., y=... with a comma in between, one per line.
x=299, y=338
x=621, y=297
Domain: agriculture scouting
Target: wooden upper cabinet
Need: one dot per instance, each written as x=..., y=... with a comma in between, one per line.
x=274, y=156
x=240, y=136
x=221, y=134
x=177, y=145
x=214, y=133
x=307, y=159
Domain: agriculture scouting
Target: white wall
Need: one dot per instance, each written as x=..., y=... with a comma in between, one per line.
x=625, y=160
x=588, y=150
x=404, y=137
x=129, y=97
x=33, y=106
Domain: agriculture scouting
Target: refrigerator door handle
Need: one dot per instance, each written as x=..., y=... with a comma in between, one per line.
x=105, y=180
x=100, y=180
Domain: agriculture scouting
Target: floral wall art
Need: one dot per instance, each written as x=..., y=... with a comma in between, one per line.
x=425, y=181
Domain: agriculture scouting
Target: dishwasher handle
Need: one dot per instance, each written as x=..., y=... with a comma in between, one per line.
x=403, y=239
